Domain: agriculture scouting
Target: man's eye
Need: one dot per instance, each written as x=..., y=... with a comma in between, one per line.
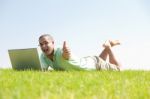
x=41, y=44
x=46, y=43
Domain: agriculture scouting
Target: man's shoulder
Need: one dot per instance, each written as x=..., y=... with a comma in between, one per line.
x=42, y=56
x=57, y=50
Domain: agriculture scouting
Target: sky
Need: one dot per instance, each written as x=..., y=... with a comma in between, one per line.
x=84, y=24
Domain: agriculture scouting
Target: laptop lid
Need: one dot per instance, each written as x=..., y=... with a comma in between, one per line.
x=25, y=59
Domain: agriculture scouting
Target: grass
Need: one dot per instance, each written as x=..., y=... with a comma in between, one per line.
x=74, y=84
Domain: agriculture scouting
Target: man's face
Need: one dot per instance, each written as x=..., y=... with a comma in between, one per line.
x=47, y=45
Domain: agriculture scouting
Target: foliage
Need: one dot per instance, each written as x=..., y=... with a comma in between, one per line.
x=127, y=84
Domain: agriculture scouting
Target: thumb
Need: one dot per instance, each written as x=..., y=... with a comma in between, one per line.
x=64, y=44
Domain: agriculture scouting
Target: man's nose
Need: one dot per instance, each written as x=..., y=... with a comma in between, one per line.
x=44, y=45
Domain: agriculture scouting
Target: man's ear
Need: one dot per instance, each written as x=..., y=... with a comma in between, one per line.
x=52, y=42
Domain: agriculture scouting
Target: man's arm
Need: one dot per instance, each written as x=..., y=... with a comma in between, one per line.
x=66, y=51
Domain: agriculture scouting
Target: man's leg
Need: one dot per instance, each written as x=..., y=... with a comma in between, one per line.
x=108, y=52
x=104, y=54
x=112, y=58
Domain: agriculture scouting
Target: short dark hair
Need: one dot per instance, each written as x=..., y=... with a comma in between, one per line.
x=44, y=35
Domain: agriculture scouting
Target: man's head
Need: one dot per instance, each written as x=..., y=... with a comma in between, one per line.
x=46, y=43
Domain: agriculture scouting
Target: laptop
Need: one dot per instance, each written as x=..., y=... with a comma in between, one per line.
x=25, y=59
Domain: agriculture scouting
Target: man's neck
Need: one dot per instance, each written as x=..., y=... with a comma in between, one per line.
x=51, y=56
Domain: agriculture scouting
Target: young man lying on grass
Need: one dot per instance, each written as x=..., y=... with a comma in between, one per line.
x=62, y=58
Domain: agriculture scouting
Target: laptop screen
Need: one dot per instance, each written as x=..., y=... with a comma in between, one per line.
x=25, y=59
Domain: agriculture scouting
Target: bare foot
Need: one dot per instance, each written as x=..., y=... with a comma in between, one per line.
x=107, y=44
x=114, y=42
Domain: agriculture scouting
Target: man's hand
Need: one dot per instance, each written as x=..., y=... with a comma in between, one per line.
x=66, y=51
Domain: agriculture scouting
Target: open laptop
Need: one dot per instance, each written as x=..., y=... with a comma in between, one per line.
x=25, y=59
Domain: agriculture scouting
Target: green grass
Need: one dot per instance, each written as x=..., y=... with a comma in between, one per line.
x=74, y=85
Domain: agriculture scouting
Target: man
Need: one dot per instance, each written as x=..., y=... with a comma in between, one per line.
x=62, y=59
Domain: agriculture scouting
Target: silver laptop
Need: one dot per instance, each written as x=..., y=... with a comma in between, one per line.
x=25, y=59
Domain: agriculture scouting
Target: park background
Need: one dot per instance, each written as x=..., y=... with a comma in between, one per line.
x=83, y=24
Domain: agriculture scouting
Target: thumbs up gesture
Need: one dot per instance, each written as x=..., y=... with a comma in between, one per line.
x=66, y=51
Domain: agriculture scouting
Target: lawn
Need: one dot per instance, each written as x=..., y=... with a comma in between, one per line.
x=127, y=84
